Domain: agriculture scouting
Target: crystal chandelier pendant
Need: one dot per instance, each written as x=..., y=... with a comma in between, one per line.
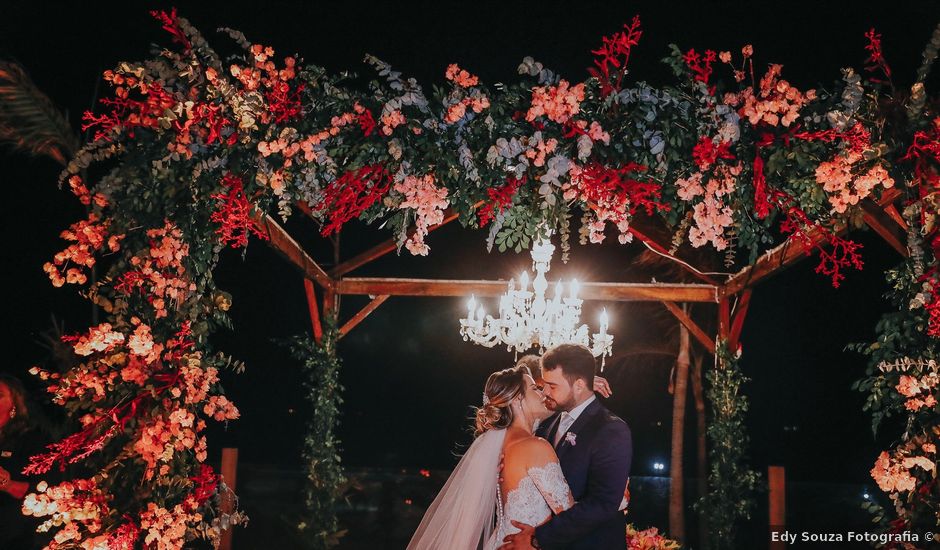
x=527, y=318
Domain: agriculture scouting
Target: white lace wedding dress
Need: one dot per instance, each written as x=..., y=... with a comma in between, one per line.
x=541, y=493
x=470, y=508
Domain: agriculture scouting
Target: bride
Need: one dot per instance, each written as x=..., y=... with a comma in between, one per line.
x=475, y=508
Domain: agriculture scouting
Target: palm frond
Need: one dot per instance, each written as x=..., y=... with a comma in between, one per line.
x=29, y=121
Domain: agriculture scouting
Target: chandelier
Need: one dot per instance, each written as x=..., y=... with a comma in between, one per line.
x=528, y=319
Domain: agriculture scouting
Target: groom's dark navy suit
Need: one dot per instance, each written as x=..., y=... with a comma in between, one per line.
x=596, y=463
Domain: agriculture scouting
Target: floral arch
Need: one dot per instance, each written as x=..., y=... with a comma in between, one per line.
x=196, y=152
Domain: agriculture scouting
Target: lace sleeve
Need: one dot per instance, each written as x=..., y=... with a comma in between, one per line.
x=551, y=483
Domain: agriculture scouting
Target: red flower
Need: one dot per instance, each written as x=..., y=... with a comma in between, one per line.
x=500, y=199
x=351, y=194
x=701, y=66
x=876, y=59
x=283, y=102
x=705, y=152
x=129, y=113
x=233, y=213
x=205, y=483
x=171, y=25
x=615, y=53
x=604, y=185
x=366, y=122
x=844, y=253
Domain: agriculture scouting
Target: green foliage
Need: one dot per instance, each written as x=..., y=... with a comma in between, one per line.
x=731, y=483
x=319, y=527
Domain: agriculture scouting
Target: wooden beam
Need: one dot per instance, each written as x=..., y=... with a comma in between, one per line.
x=691, y=325
x=786, y=254
x=390, y=245
x=314, y=310
x=882, y=224
x=617, y=292
x=362, y=314
x=281, y=241
x=737, y=324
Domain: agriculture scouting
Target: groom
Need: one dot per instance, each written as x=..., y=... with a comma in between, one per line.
x=595, y=450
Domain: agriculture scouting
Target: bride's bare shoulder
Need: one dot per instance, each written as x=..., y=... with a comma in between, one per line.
x=532, y=450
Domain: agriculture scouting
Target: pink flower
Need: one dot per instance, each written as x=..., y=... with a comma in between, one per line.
x=597, y=133
x=392, y=120
x=428, y=202
x=455, y=112
x=99, y=338
x=557, y=103
x=908, y=386
x=891, y=476
x=460, y=77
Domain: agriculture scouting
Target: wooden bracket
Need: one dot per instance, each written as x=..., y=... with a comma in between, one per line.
x=362, y=314
x=885, y=226
x=737, y=324
x=724, y=319
x=691, y=325
x=281, y=241
x=314, y=310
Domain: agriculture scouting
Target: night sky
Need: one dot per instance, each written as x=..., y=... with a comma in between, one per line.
x=409, y=377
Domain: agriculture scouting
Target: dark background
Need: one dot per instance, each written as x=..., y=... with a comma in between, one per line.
x=409, y=378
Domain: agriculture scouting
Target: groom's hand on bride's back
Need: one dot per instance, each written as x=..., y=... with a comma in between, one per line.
x=521, y=540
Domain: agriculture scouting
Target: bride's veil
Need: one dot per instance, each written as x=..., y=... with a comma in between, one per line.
x=463, y=515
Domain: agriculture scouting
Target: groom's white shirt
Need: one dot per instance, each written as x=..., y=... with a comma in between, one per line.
x=568, y=419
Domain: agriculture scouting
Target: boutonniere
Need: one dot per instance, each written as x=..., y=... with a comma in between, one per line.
x=571, y=438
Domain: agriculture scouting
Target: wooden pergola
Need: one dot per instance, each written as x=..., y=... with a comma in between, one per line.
x=731, y=295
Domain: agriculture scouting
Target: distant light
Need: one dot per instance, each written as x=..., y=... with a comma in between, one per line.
x=425, y=473
x=866, y=496
x=659, y=466
x=408, y=501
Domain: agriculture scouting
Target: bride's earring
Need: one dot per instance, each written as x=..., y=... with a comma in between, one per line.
x=13, y=412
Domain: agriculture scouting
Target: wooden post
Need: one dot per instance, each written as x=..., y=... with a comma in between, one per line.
x=229, y=467
x=676, y=473
x=776, y=478
x=701, y=451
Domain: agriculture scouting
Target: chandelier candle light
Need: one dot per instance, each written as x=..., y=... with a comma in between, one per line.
x=528, y=319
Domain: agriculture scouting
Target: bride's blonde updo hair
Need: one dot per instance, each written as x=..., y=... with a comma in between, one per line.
x=500, y=389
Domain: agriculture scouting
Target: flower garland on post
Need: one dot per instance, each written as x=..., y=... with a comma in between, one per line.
x=903, y=380
x=319, y=528
x=731, y=484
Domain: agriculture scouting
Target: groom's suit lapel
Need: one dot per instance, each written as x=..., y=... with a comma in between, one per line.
x=564, y=445
x=551, y=427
